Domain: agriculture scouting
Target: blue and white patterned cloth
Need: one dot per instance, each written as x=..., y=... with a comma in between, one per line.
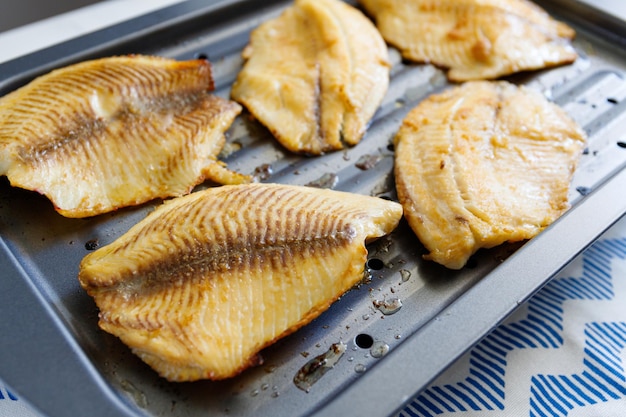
x=12, y=406
x=561, y=354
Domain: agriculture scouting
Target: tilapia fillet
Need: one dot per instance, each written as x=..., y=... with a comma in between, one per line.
x=314, y=76
x=482, y=164
x=206, y=281
x=113, y=132
x=475, y=39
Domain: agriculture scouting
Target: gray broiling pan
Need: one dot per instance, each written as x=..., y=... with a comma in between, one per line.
x=55, y=357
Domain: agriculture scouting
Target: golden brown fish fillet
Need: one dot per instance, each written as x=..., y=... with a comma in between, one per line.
x=475, y=39
x=206, y=281
x=483, y=164
x=114, y=132
x=314, y=76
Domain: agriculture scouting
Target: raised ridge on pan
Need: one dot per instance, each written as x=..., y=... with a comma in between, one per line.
x=94, y=374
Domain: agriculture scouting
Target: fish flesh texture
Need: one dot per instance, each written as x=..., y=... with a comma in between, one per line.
x=474, y=39
x=481, y=164
x=314, y=76
x=114, y=132
x=207, y=280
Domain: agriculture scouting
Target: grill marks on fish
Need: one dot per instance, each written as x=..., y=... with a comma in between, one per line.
x=483, y=164
x=474, y=39
x=200, y=286
x=107, y=89
x=314, y=76
x=113, y=132
x=234, y=245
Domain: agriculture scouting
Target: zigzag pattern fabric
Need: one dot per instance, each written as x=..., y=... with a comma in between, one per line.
x=527, y=366
x=6, y=395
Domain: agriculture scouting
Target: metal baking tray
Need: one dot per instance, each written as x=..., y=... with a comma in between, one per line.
x=55, y=357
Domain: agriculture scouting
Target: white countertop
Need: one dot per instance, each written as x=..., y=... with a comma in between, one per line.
x=44, y=33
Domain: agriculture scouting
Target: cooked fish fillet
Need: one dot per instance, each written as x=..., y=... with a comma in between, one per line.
x=314, y=76
x=482, y=164
x=206, y=281
x=114, y=132
x=475, y=39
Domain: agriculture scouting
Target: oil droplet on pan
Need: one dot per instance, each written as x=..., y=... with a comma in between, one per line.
x=359, y=368
x=388, y=307
x=379, y=349
x=314, y=369
x=328, y=180
x=138, y=395
x=405, y=274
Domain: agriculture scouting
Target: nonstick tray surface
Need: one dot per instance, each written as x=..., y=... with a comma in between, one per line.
x=55, y=356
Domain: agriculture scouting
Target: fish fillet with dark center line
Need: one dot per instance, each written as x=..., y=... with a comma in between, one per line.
x=114, y=132
x=207, y=280
x=314, y=76
x=482, y=164
x=474, y=39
